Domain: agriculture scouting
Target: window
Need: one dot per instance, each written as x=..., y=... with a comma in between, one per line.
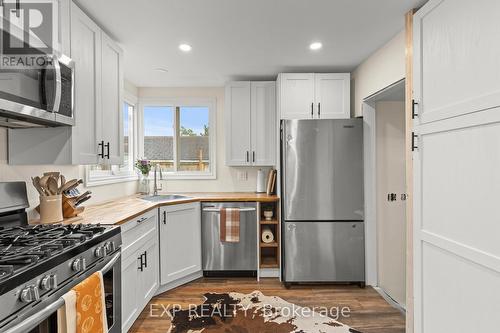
x=178, y=137
x=104, y=173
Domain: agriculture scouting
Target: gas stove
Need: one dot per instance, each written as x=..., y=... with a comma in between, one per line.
x=40, y=263
x=25, y=251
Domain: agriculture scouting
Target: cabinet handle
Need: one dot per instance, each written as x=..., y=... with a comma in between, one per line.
x=164, y=217
x=107, y=147
x=101, y=146
x=312, y=110
x=248, y=158
x=253, y=156
x=146, y=259
x=142, y=219
x=319, y=110
x=141, y=267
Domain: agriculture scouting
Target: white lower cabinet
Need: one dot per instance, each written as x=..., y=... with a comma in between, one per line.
x=180, y=241
x=140, y=275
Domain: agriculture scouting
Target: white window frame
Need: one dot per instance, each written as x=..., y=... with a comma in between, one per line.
x=211, y=103
x=117, y=175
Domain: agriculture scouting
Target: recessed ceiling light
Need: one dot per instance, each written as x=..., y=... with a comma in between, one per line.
x=185, y=47
x=315, y=46
x=161, y=69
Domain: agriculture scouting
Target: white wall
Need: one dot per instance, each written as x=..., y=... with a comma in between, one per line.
x=227, y=177
x=381, y=69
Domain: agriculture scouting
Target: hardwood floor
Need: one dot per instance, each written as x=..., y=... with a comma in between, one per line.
x=369, y=312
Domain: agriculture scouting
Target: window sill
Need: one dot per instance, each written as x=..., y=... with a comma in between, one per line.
x=107, y=180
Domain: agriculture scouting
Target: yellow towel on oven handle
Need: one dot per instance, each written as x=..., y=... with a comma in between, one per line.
x=84, y=309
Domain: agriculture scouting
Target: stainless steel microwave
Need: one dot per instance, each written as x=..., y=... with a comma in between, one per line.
x=38, y=97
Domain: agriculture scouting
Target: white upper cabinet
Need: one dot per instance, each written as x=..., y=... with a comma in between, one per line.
x=314, y=96
x=86, y=53
x=263, y=124
x=97, y=136
x=332, y=95
x=237, y=123
x=296, y=99
x=112, y=99
x=250, y=129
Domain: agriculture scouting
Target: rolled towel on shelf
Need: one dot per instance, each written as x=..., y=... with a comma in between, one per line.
x=267, y=235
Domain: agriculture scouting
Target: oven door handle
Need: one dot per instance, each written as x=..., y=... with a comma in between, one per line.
x=29, y=323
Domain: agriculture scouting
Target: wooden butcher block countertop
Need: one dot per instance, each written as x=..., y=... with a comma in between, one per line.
x=121, y=210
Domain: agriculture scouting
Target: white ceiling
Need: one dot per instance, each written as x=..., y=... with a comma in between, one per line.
x=244, y=39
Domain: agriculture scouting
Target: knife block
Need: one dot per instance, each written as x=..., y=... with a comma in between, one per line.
x=68, y=206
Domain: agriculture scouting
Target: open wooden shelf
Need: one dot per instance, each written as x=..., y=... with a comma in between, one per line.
x=269, y=253
x=267, y=222
x=269, y=262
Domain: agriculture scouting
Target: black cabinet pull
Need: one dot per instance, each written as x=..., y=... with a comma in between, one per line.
x=146, y=259
x=312, y=110
x=107, y=147
x=141, y=267
x=100, y=146
x=253, y=156
x=164, y=217
x=319, y=110
x=248, y=158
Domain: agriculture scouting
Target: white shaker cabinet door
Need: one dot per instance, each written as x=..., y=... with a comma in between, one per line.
x=86, y=52
x=130, y=281
x=332, y=96
x=237, y=127
x=112, y=101
x=263, y=124
x=297, y=95
x=180, y=241
x=148, y=283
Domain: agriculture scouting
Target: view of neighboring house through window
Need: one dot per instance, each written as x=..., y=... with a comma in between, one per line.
x=178, y=138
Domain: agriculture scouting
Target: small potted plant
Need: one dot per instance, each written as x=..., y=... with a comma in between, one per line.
x=144, y=167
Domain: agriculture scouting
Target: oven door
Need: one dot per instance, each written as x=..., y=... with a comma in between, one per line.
x=45, y=319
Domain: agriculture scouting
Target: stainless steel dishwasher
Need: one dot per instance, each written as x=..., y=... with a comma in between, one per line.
x=221, y=258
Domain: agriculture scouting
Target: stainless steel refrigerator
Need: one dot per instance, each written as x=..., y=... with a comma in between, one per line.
x=322, y=190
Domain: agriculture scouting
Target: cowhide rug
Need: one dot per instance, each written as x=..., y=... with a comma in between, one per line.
x=248, y=313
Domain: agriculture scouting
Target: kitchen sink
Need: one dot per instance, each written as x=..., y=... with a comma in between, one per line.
x=164, y=197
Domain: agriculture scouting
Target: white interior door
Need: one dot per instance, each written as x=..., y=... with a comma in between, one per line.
x=456, y=167
x=391, y=212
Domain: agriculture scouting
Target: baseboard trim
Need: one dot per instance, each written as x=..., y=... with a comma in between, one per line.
x=179, y=282
x=390, y=300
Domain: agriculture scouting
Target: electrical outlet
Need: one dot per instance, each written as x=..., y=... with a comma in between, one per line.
x=242, y=176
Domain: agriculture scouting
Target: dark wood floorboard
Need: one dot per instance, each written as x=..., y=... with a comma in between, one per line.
x=370, y=313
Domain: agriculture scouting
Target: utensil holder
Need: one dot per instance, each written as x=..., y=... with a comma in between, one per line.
x=51, y=209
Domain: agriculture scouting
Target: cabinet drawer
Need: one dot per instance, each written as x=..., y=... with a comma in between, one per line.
x=136, y=231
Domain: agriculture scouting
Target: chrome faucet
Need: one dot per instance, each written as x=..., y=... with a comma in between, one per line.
x=155, y=182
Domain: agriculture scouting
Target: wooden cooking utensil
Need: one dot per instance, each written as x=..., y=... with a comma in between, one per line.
x=36, y=184
x=43, y=181
x=52, y=185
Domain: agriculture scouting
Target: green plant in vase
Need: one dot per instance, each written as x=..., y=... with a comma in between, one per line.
x=144, y=167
